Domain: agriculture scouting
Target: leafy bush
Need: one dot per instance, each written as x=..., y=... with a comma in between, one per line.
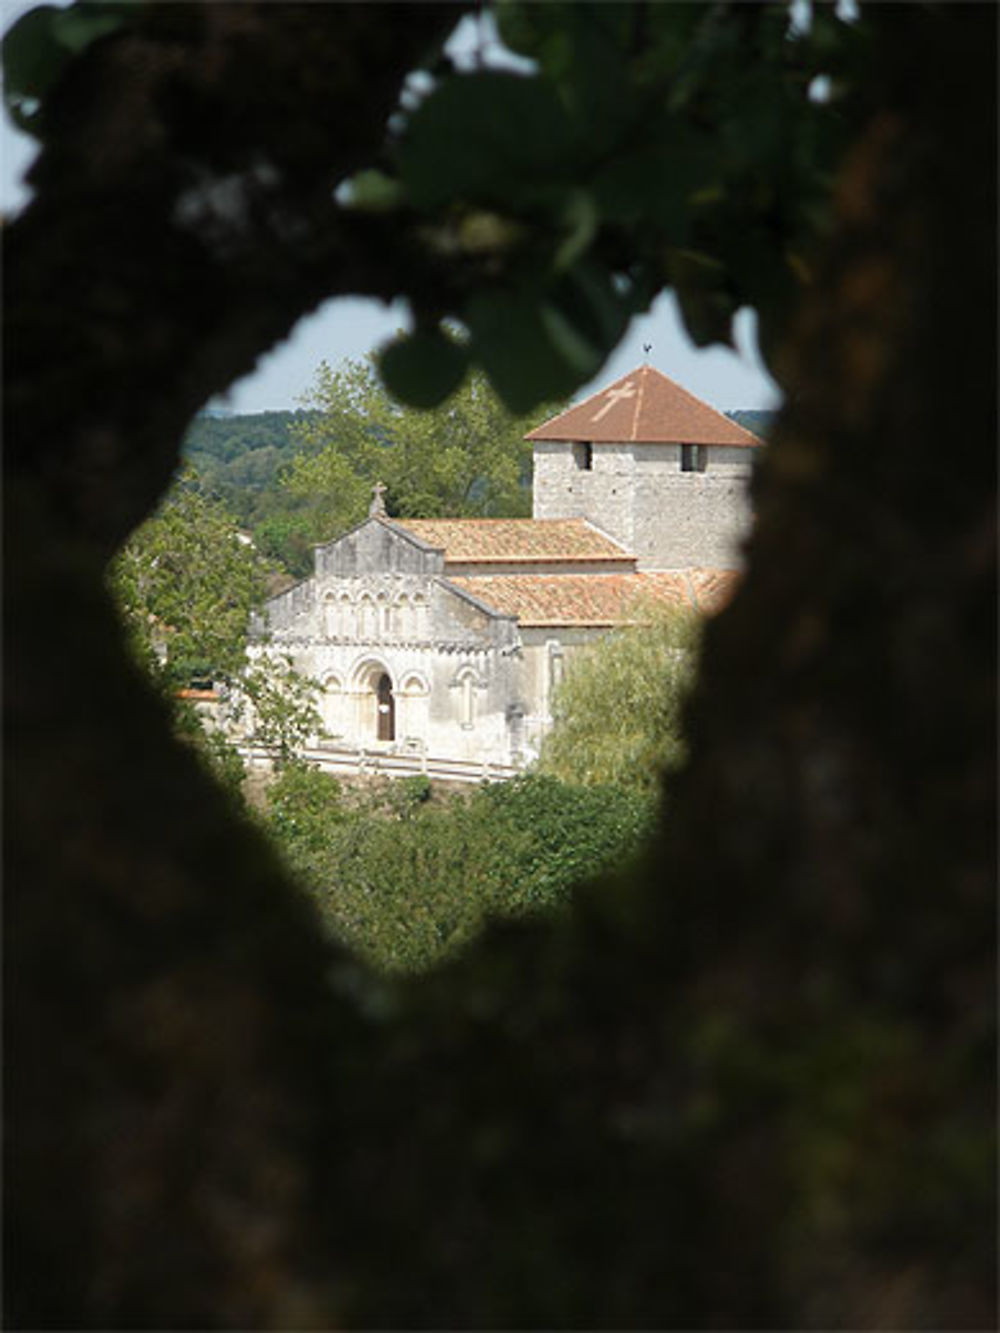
x=302, y=803
x=218, y=754
x=618, y=712
x=277, y=705
x=184, y=585
x=407, y=882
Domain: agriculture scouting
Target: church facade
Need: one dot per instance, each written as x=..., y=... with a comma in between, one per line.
x=448, y=637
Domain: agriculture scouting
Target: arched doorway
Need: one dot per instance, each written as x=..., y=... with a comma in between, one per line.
x=386, y=709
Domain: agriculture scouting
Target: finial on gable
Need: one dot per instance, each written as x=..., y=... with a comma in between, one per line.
x=377, y=507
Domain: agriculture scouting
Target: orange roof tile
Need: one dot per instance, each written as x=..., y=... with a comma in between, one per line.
x=707, y=590
x=482, y=540
x=646, y=407
x=597, y=600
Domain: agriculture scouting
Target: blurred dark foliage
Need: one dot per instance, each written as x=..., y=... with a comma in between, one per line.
x=755, y=1088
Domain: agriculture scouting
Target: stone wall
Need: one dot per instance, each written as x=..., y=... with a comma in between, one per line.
x=546, y=652
x=685, y=519
x=638, y=494
x=563, y=488
x=374, y=545
x=453, y=665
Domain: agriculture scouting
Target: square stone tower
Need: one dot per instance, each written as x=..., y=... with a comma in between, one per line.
x=654, y=467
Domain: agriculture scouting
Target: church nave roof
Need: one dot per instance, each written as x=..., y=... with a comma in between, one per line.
x=481, y=540
x=598, y=600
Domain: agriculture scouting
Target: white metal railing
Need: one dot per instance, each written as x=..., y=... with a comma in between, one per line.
x=387, y=763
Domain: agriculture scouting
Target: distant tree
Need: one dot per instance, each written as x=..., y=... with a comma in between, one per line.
x=278, y=705
x=185, y=583
x=759, y=421
x=230, y=437
x=284, y=533
x=238, y=460
x=326, y=495
x=466, y=458
x=618, y=710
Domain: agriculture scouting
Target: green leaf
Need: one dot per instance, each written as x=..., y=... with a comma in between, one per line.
x=481, y=232
x=537, y=32
x=521, y=351
x=708, y=316
x=491, y=137
x=582, y=49
x=32, y=55
x=38, y=46
x=539, y=347
x=78, y=26
x=373, y=191
x=423, y=368
x=581, y=219
x=588, y=298
x=574, y=348
x=707, y=304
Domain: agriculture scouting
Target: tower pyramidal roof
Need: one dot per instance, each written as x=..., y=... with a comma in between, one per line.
x=647, y=407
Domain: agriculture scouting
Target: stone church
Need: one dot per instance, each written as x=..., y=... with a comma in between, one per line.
x=447, y=637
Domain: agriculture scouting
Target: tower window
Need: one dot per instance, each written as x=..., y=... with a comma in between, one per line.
x=692, y=458
x=583, y=453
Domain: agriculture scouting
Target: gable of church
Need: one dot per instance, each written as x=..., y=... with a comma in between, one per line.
x=376, y=546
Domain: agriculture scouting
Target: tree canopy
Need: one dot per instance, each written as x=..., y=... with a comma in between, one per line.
x=651, y=146
x=186, y=582
x=618, y=713
x=505, y=850
x=690, y=131
x=238, y=460
x=466, y=458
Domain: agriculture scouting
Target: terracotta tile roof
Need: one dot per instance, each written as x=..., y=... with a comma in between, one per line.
x=482, y=540
x=597, y=600
x=706, y=590
x=647, y=407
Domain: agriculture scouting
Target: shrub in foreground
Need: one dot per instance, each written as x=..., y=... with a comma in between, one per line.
x=406, y=881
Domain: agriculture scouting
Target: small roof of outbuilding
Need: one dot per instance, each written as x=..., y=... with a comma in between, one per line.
x=503, y=540
x=644, y=407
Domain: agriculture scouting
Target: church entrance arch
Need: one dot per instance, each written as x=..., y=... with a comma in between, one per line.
x=375, y=700
x=386, y=708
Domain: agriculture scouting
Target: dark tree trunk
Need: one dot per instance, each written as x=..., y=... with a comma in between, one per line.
x=752, y=1088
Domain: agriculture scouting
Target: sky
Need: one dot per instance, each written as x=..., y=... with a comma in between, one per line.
x=350, y=328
